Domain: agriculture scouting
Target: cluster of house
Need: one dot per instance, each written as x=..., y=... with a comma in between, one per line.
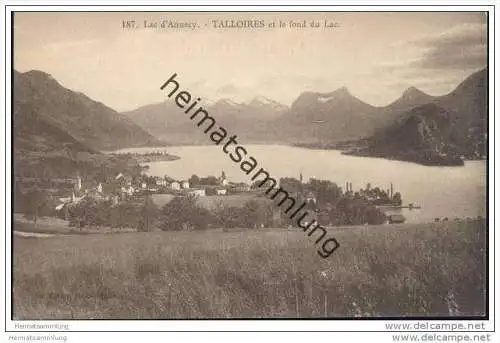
x=222, y=186
x=123, y=186
x=176, y=186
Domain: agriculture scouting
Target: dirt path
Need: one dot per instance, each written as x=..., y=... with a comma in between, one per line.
x=35, y=234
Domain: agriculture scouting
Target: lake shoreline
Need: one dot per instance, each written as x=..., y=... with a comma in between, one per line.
x=444, y=191
x=147, y=157
x=162, y=158
x=435, y=161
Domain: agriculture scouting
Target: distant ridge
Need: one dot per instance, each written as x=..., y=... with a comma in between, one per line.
x=410, y=98
x=318, y=118
x=89, y=122
x=58, y=133
x=443, y=131
x=248, y=120
x=342, y=116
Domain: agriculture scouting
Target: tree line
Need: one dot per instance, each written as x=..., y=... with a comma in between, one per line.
x=331, y=206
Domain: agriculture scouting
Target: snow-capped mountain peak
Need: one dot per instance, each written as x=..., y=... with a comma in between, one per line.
x=228, y=102
x=262, y=101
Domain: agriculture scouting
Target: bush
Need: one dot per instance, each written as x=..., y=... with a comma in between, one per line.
x=251, y=215
x=257, y=213
x=374, y=216
x=228, y=216
x=125, y=214
x=183, y=213
x=34, y=204
x=148, y=214
x=86, y=213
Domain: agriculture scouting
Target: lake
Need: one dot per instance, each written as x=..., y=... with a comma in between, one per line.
x=440, y=191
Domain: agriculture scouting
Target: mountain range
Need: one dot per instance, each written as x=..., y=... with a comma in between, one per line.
x=336, y=119
x=48, y=117
x=250, y=120
x=439, y=130
x=327, y=117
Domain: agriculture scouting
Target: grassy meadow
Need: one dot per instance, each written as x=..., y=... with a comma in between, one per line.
x=212, y=201
x=55, y=226
x=388, y=270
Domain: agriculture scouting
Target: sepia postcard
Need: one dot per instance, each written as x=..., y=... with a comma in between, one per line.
x=251, y=164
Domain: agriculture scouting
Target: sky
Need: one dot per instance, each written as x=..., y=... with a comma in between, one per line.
x=376, y=55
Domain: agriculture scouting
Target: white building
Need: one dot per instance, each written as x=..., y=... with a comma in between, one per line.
x=310, y=197
x=221, y=191
x=223, y=180
x=78, y=183
x=185, y=184
x=176, y=186
x=198, y=192
x=161, y=182
x=129, y=190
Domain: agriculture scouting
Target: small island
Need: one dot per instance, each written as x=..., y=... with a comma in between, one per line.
x=362, y=149
x=154, y=156
x=424, y=157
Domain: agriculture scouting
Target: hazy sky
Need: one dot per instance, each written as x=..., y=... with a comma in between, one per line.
x=376, y=55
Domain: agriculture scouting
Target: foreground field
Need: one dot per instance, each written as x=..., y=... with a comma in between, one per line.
x=54, y=226
x=211, y=202
x=391, y=270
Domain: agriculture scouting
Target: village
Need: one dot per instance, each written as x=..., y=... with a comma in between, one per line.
x=125, y=187
x=329, y=203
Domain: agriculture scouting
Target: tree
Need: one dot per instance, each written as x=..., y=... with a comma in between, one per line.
x=103, y=212
x=256, y=214
x=375, y=216
x=112, y=187
x=194, y=180
x=125, y=214
x=209, y=181
x=210, y=191
x=325, y=191
x=148, y=214
x=256, y=184
x=290, y=184
x=228, y=216
x=183, y=213
x=251, y=215
x=84, y=213
x=396, y=198
x=35, y=204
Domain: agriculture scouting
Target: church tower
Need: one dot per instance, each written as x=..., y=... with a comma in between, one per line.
x=78, y=184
